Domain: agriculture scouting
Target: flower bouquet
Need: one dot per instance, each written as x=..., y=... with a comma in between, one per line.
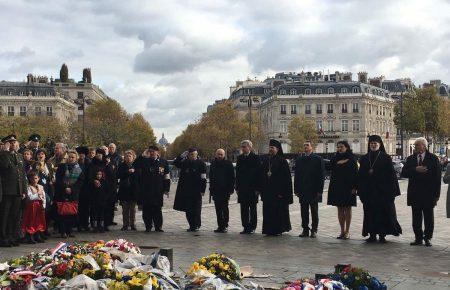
x=311, y=284
x=135, y=280
x=218, y=265
x=358, y=279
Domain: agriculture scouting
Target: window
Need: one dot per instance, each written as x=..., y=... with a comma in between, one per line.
x=307, y=109
x=23, y=111
x=283, y=127
x=319, y=91
x=356, y=146
x=283, y=92
x=80, y=95
x=319, y=109
x=330, y=91
x=9, y=93
x=49, y=111
x=293, y=92
x=344, y=125
x=356, y=108
x=330, y=125
x=293, y=109
x=343, y=90
x=355, y=126
x=355, y=90
x=330, y=108
x=308, y=92
x=37, y=111
x=283, y=109
x=22, y=93
x=319, y=126
x=344, y=108
x=10, y=111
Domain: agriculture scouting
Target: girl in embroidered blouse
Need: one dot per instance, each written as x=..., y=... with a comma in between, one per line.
x=33, y=222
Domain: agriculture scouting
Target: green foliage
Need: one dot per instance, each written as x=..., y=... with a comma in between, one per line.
x=300, y=129
x=64, y=73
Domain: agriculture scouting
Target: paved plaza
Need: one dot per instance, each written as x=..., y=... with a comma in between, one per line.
x=289, y=257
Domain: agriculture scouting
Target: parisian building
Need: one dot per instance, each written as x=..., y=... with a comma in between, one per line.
x=62, y=98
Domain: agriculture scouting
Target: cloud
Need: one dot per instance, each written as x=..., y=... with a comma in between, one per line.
x=170, y=59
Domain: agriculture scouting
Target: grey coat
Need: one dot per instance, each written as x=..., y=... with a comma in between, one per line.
x=447, y=180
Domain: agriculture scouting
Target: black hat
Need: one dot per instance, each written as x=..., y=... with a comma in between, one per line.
x=277, y=144
x=153, y=147
x=34, y=138
x=192, y=149
x=100, y=151
x=376, y=138
x=82, y=150
x=10, y=138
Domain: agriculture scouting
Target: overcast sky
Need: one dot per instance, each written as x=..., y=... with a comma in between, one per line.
x=170, y=59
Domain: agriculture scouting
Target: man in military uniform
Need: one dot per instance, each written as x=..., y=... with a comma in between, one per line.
x=33, y=144
x=13, y=187
x=191, y=187
x=153, y=179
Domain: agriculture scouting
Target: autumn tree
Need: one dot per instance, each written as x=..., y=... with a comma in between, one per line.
x=221, y=127
x=300, y=129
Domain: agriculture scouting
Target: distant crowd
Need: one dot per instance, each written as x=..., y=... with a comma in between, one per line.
x=80, y=188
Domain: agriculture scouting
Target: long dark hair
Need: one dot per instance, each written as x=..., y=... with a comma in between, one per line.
x=346, y=145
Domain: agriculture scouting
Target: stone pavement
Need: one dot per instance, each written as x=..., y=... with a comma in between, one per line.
x=289, y=257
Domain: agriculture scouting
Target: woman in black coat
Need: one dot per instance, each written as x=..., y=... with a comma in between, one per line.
x=128, y=190
x=68, y=181
x=342, y=189
x=377, y=189
x=101, y=190
x=276, y=191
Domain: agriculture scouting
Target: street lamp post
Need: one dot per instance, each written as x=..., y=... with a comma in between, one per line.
x=83, y=102
x=249, y=104
x=401, y=124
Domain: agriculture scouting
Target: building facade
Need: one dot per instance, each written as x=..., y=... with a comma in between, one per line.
x=62, y=98
x=340, y=109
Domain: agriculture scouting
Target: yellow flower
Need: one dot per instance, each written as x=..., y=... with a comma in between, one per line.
x=154, y=282
x=134, y=281
x=203, y=260
x=212, y=270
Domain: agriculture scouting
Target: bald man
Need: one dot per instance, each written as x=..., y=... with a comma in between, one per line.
x=221, y=186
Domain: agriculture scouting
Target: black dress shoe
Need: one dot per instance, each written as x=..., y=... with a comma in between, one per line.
x=218, y=230
x=382, y=240
x=147, y=230
x=313, y=235
x=159, y=230
x=428, y=243
x=304, y=234
x=5, y=244
x=133, y=228
x=416, y=243
x=114, y=224
x=15, y=243
x=371, y=239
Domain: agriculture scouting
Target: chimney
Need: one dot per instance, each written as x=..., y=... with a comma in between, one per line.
x=362, y=77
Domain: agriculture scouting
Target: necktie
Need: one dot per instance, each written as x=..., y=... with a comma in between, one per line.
x=420, y=160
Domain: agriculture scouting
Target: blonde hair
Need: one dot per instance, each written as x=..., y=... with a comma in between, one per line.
x=131, y=152
x=72, y=151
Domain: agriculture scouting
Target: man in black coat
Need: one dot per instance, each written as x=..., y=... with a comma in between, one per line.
x=221, y=186
x=191, y=187
x=83, y=200
x=13, y=188
x=248, y=172
x=308, y=186
x=424, y=187
x=153, y=177
x=114, y=160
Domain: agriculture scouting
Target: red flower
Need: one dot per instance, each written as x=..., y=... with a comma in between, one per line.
x=61, y=269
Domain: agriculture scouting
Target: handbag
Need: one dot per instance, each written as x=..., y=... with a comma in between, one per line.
x=66, y=208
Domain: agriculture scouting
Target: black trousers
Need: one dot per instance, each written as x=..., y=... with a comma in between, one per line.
x=194, y=214
x=222, y=213
x=83, y=211
x=152, y=216
x=109, y=213
x=249, y=215
x=9, y=218
x=66, y=223
x=304, y=209
x=425, y=214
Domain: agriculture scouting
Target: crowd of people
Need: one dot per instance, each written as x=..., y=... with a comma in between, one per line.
x=80, y=188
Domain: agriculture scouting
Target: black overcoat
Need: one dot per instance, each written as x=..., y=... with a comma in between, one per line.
x=248, y=172
x=221, y=180
x=191, y=183
x=153, y=177
x=424, y=189
x=342, y=181
x=110, y=192
x=127, y=182
x=377, y=192
x=309, y=178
